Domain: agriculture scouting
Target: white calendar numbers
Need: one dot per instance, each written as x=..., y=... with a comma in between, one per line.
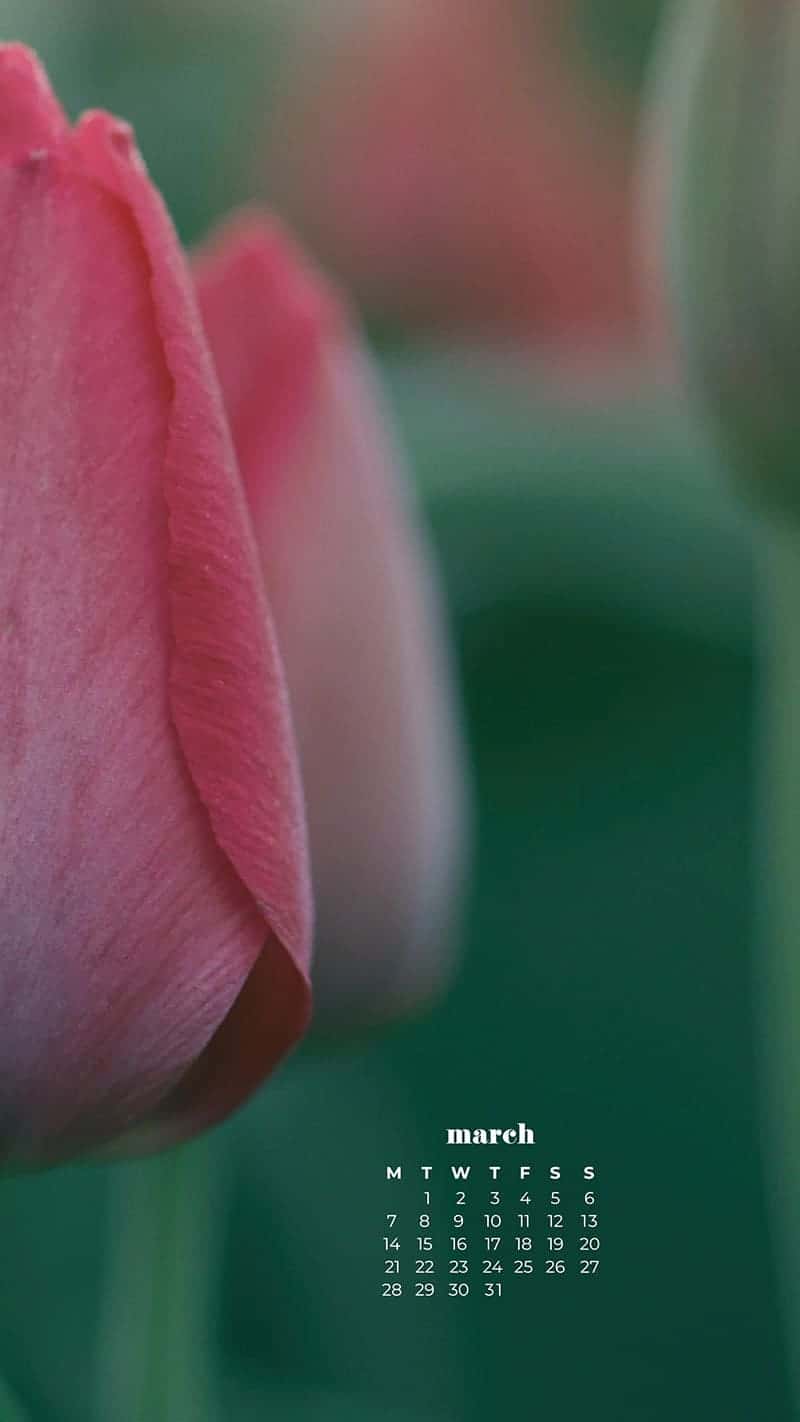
x=392, y=1283
x=488, y=1230
x=392, y=1228
x=425, y=1250
x=458, y=1261
x=589, y=1222
x=524, y=1262
x=555, y=1264
x=425, y=1261
x=460, y=1200
x=492, y=1266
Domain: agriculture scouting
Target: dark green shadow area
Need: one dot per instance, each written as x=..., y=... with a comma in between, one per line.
x=605, y=998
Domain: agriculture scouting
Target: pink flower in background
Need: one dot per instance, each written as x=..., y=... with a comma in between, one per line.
x=154, y=888
x=457, y=168
x=357, y=617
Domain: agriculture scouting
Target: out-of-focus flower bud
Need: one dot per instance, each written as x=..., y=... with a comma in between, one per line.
x=358, y=621
x=721, y=184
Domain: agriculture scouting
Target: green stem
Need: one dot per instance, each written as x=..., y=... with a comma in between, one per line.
x=154, y=1337
x=10, y=1410
x=779, y=1005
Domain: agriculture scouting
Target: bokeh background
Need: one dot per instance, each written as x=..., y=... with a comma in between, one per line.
x=466, y=169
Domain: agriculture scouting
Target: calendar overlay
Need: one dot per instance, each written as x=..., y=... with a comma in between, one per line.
x=490, y=1222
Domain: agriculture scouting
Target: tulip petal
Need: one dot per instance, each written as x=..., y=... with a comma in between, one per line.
x=358, y=622
x=276, y=350
x=30, y=115
x=153, y=883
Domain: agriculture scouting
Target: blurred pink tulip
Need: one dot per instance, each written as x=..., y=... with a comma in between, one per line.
x=154, y=887
x=357, y=619
x=457, y=168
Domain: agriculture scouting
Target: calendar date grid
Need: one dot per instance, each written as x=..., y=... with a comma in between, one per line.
x=470, y=1230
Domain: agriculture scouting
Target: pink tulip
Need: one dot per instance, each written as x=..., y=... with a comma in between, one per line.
x=154, y=887
x=455, y=165
x=357, y=618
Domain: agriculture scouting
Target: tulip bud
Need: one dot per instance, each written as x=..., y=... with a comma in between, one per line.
x=358, y=618
x=154, y=892
x=723, y=183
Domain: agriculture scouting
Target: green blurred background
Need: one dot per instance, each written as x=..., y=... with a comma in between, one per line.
x=599, y=587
